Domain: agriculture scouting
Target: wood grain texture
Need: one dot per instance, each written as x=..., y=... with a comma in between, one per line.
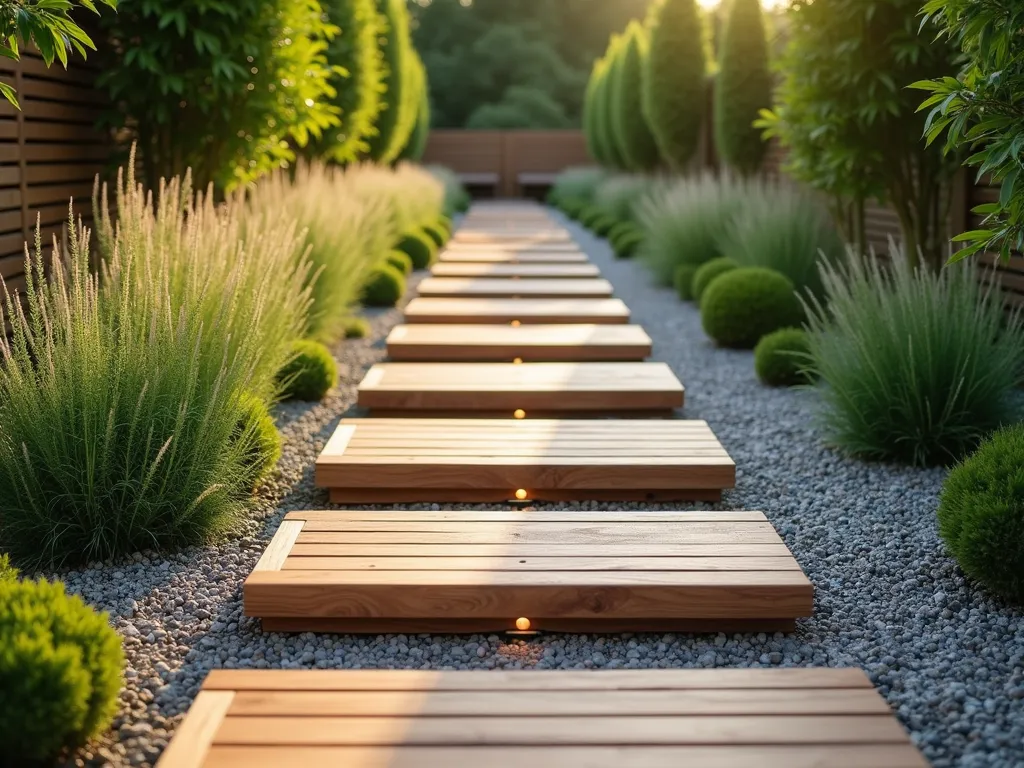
x=425, y=458
x=192, y=741
x=715, y=718
x=591, y=387
x=521, y=271
x=425, y=309
x=508, y=287
x=504, y=256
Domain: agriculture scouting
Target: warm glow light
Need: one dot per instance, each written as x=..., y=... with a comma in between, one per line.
x=518, y=361
x=516, y=323
x=519, y=413
x=521, y=494
x=522, y=624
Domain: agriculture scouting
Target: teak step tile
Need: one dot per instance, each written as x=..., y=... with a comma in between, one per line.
x=508, y=287
x=519, y=390
x=484, y=256
x=521, y=271
x=513, y=246
x=527, y=343
x=409, y=460
x=664, y=718
x=516, y=311
x=481, y=571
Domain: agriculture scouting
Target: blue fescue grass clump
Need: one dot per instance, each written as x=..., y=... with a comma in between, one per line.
x=122, y=394
x=918, y=366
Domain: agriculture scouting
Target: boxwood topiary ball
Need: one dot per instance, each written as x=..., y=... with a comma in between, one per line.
x=262, y=441
x=60, y=672
x=625, y=246
x=357, y=327
x=981, y=514
x=435, y=233
x=418, y=247
x=384, y=287
x=683, y=281
x=744, y=305
x=311, y=372
x=603, y=225
x=400, y=261
x=780, y=357
x=589, y=216
x=707, y=272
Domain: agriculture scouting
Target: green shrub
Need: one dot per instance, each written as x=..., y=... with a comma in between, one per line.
x=707, y=272
x=981, y=514
x=385, y=287
x=918, y=366
x=359, y=84
x=60, y=672
x=620, y=229
x=310, y=374
x=579, y=184
x=256, y=77
x=419, y=248
x=674, y=80
x=257, y=432
x=436, y=233
x=743, y=87
x=743, y=305
x=783, y=230
x=393, y=124
x=602, y=107
x=356, y=328
x=400, y=261
x=572, y=208
x=420, y=133
x=603, y=224
x=627, y=244
x=521, y=107
x=780, y=358
x=618, y=195
x=446, y=225
x=685, y=221
x=590, y=215
x=7, y=571
x=683, y=281
x=629, y=126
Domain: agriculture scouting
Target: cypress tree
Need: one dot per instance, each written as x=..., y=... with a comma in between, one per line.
x=604, y=105
x=633, y=136
x=674, y=80
x=397, y=44
x=593, y=149
x=743, y=87
x=417, y=143
x=360, y=84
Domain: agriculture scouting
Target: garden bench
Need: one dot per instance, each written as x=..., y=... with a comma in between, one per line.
x=528, y=343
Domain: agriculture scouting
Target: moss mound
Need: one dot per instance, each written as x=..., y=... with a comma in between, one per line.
x=743, y=305
x=311, y=372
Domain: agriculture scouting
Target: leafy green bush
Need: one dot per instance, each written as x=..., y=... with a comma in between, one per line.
x=310, y=374
x=743, y=87
x=780, y=358
x=783, y=230
x=446, y=225
x=603, y=224
x=385, y=287
x=707, y=272
x=523, y=108
x=356, y=328
x=684, y=222
x=743, y=305
x=590, y=215
x=627, y=244
x=416, y=146
x=619, y=194
x=400, y=261
x=393, y=124
x=257, y=431
x=919, y=367
x=223, y=89
x=419, y=248
x=674, y=80
x=359, y=80
x=981, y=513
x=629, y=126
x=683, y=281
x=7, y=571
x=60, y=671
x=620, y=229
x=601, y=107
x=435, y=233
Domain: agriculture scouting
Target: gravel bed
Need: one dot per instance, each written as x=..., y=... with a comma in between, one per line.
x=948, y=659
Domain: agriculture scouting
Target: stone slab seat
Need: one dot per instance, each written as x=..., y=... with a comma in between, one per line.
x=481, y=571
x=664, y=718
x=413, y=460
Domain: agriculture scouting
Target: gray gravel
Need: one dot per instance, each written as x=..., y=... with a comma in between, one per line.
x=949, y=659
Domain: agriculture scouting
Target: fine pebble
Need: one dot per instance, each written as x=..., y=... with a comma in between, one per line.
x=947, y=657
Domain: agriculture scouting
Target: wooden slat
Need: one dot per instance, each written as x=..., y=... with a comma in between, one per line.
x=507, y=387
x=544, y=311
x=521, y=271
x=509, y=246
x=770, y=718
x=516, y=563
x=455, y=287
x=492, y=256
x=193, y=739
x=530, y=343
